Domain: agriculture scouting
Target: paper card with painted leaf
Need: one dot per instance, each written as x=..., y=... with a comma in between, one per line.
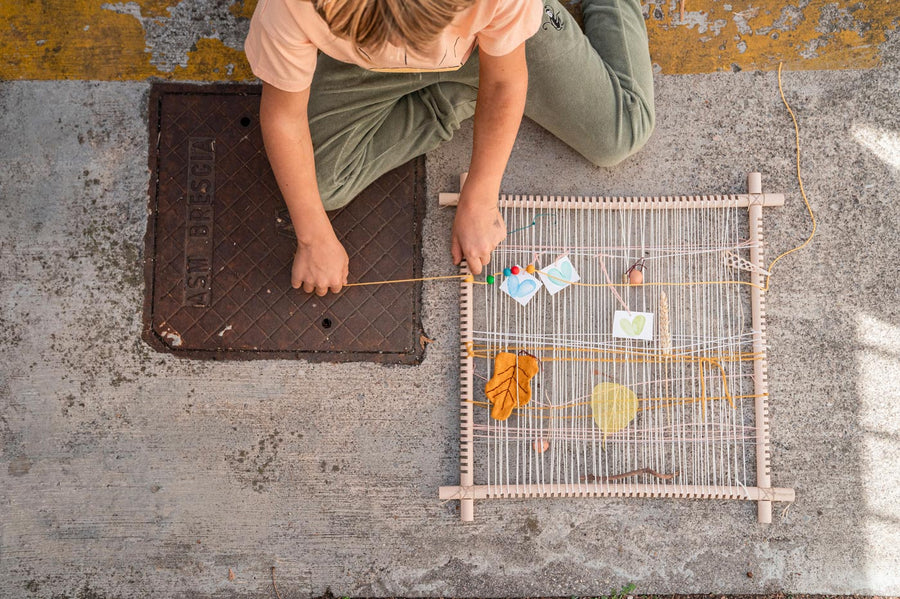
x=521, y=287
x=559, y=275
x=633, y=325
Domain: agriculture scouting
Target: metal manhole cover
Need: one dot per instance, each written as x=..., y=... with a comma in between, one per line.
x=219, y=245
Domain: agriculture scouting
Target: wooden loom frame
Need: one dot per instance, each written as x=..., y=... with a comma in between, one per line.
x=763, y=493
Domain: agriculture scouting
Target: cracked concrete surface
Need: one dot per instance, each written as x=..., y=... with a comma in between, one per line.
x=126, y=473
x=170, y=38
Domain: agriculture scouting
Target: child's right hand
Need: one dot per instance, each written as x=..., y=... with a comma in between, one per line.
x=320, y=264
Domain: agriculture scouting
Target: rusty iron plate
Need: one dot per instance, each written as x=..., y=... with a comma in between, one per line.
x=219, y=245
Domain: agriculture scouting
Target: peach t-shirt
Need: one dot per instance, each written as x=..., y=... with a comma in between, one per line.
x=285, y=35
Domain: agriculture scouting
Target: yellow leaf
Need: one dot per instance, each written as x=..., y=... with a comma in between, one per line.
x=614, y=407
x=510, y=387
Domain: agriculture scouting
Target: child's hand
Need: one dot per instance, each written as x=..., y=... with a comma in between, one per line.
x=320, y=265
x=477, y=230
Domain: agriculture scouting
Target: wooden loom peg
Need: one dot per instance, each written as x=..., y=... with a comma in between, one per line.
x=754, y=183
x=452, y=199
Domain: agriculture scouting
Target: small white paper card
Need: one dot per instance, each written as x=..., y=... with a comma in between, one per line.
x=559, y=275
x=521, y=287
x=637, y=325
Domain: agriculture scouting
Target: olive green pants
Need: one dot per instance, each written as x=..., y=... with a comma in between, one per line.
x=592, y=89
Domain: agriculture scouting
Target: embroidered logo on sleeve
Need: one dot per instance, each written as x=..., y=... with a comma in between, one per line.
x=553, y=19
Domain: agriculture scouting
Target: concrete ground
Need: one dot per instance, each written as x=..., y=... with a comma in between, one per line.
x=128, y=473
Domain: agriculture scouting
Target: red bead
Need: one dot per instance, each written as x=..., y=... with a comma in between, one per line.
x=515, y=270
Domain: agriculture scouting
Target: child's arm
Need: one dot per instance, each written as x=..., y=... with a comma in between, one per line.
x=320, y=262
x=479, y=227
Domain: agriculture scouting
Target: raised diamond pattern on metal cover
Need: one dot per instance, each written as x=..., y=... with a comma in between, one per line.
x=219, y=245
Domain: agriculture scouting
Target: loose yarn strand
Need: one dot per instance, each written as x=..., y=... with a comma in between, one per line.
x=799, y=181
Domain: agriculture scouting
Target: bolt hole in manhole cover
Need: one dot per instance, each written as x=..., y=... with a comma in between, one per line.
x=219, y=245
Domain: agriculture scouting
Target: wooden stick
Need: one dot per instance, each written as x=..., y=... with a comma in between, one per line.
x=760, y=382
x=616, y=490
x=626, y=203
x=466, y=396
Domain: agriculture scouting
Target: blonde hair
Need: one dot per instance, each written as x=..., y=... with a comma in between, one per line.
x=375, y=23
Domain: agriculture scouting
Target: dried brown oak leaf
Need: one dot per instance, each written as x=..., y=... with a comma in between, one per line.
x=510, y=387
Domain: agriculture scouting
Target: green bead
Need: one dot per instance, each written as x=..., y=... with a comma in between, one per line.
x=490, y=279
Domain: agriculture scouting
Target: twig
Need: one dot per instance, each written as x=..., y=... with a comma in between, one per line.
x=423, y=341
x=275, y=586
x=682, y=11
x=603, y=479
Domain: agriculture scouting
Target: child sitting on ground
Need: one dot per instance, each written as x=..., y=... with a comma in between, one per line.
x=355, y=88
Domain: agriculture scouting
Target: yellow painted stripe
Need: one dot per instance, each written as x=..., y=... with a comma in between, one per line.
x=88, y=39
x=70, y=40
x=718, y=35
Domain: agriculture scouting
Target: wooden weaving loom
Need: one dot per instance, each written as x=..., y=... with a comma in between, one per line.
x=681, y=413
